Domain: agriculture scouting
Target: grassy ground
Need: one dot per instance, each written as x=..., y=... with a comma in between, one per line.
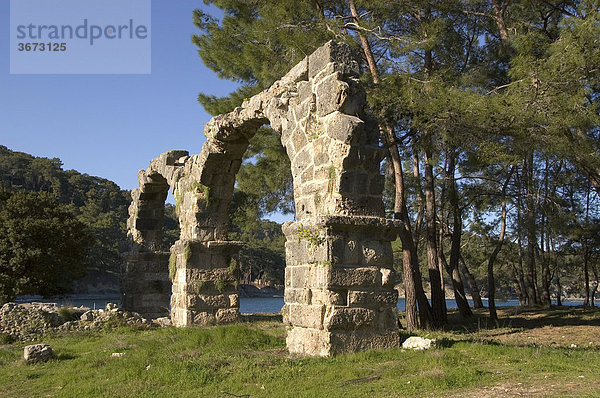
x=530, y=354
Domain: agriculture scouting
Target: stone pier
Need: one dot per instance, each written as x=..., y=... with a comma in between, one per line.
x=339, y=285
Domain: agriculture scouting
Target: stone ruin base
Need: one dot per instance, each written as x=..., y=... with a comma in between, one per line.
x=205, y=282
x=339, y=285
x=145, y=286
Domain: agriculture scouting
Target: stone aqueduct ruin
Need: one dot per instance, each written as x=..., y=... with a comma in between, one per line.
x=339, y=280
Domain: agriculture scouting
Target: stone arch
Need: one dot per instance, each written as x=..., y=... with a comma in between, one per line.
x=339, y=293
x=145, y=286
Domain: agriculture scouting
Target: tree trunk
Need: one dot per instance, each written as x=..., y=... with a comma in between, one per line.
x=558, y=290
x=471, y=283
x=525, y=298
x=519, y=288
x=499, y=10
x=435, y=277
x=457, y=284
x=492, y=259
x=413, y=287
x=531, y=230
x=595, y=288
x=544, y=238
x=586, y=255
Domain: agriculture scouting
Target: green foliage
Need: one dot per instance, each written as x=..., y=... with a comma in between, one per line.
x=96, y=202
x=187, y=253
x=6, y=338
x=43, y=247
x=313, y=237
x=331, y=176
x=489, y=99
x=234, y=268
x=69, y=314
x=221, y=285
x=198, y=286
x=265, y=177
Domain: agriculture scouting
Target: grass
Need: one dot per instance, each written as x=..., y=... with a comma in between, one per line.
x=249, y=359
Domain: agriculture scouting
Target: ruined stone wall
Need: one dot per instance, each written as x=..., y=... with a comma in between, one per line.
x=339, y=277
x=145, y=284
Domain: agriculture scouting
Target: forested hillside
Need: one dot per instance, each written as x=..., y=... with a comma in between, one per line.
x=97, y=203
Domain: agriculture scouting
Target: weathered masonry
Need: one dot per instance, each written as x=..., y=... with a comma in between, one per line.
x=339, y=280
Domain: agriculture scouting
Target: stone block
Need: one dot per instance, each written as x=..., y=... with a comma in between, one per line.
x=361, y=340
x=227, y=315
x=337, y=318
x=361, y=184
x=234, y=300
x=331, y=94
x=305, y=91
x=201, y=318
x=145, y=224
x=299, y=296
x=310, y=316
x=330, y=297
x=375, y=253
x=387, y=319
x=372, y=299
x=388, y=277
x=338, y=54
x=206, y=301
x=344, y=128
x=298, y=73
x=376, y=185
x=346, y=277
x=298, y=276
x=309, y=342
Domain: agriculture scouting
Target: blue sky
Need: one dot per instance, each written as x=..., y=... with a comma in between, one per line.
x=113, y=125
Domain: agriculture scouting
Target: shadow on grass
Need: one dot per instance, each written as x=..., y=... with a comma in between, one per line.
x=528, y=318
x=64, y=357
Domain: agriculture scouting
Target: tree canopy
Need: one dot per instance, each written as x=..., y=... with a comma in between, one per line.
x=97, y=203
x=43, y=248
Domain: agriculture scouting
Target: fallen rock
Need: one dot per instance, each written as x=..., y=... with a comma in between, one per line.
x=27, y=322
x=163, y=321
x=37, y=353
x=418, y=343
x=87, y=316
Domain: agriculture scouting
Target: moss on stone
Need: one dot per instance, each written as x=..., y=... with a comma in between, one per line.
x=187, y=253
x=172, y=266
x=331, y=179
x=221, y=285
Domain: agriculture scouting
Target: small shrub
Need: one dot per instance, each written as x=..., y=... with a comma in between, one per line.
x=221, y=285
x=312, y=237
x=197, y=287
x=6, y=338
x=68, y=314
